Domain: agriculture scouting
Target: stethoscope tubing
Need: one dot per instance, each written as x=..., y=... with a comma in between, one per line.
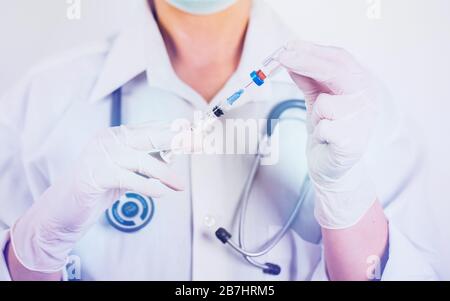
x=249, y=256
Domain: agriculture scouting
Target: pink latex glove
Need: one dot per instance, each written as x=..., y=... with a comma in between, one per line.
x=341, y=109
x=44, y=236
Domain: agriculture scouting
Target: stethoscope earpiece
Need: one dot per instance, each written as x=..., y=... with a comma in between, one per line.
x=268, y=268
x=223, y=235
x=272, y=269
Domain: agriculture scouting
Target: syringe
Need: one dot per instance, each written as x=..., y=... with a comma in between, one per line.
x=269, y=68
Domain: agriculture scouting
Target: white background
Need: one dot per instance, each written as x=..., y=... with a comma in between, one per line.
x=408, y=46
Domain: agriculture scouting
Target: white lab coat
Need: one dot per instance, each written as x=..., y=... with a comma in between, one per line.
x=48, y=118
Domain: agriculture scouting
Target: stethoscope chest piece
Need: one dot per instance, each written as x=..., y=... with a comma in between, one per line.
x=131, y=212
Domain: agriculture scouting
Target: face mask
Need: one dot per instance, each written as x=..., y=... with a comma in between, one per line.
x=202, y=7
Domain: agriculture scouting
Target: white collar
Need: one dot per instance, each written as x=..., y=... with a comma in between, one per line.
x=140, y=48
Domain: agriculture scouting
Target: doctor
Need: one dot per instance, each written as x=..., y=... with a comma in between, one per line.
x=62, y=166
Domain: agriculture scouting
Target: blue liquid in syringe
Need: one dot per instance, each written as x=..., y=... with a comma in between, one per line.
x=233, y=98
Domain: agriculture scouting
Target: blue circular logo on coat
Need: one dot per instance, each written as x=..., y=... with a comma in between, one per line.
x=131, y=212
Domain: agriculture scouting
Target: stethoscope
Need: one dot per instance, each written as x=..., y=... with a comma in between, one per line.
x=133, y=211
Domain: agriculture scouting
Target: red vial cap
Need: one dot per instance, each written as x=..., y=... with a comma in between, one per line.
x=261, y=75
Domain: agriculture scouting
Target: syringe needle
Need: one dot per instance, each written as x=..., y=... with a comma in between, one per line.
x=269, y=68
x=248, y=85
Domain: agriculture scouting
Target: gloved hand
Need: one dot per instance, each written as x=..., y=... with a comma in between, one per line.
x=341, y=109
x=109, y=166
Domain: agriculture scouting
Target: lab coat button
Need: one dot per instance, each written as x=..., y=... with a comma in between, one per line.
x=209, y=221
